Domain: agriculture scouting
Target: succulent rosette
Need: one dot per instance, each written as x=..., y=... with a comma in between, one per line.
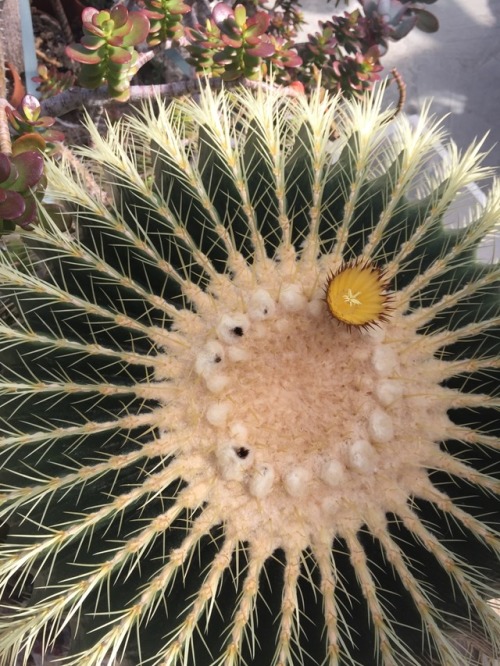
x=32, y=131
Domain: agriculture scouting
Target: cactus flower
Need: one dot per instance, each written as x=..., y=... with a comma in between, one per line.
x=249, y=416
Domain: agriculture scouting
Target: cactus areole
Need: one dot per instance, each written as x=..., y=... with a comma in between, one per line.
x=249, y=410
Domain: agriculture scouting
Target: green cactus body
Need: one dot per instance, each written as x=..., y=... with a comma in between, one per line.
x=200, y=466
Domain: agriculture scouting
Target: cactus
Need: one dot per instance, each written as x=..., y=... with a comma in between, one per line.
x=249, y=415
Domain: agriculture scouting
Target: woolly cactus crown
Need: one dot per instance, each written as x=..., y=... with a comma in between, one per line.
x=199, y=464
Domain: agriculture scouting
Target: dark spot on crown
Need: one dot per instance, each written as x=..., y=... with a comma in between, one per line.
x=242, y=452
x=237, y=330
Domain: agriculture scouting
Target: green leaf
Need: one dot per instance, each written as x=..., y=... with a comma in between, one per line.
x=88, y=15
x=263, y=50
x=221, y=12
x=30, y=213
x=119, y=15
x=79, y=53
x=6, y=227
x=31, y=141
x=240, y=15
x=31, y=108
x=119, y=55
x=92, y=42
x=258, y=24
x=139, y=29
x=120, y=95
x=100, y=18
x=91, y=76
x=30, y=169
x=93, y=30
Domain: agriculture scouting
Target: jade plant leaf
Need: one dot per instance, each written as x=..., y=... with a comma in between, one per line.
x=29, y=166
x=5, y=168
x=12, y=204
x=80, y=53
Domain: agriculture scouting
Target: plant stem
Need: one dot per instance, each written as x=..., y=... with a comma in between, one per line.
x=63, y=20
x=76, y=98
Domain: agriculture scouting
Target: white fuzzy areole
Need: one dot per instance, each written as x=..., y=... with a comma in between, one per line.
x=238, y=432
x=236, y=354
x=333, y=473
x=209, y=358
x=261, y=306
x=385, y=360
x=262, y=481
x=217, y=412
x=388, y=391
x=291, y=298
x=381, y=427
x=234, y=460
x=217, y=382
x=362, y=456
x=296, y=481
x=232, y=327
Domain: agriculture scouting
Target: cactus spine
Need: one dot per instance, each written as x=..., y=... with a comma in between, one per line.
x=200, y=466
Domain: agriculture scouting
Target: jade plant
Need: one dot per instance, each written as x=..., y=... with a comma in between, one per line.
x=239, y=45
x=30, y=130
x=107, y=49
x=22, y=182
x=249, y=413
x=22, y=173
x=165, y=18
x=52, y=81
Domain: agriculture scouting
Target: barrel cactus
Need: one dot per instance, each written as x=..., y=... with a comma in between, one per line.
x=249, y=395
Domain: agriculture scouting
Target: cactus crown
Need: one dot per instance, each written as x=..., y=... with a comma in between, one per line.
x=199, y=465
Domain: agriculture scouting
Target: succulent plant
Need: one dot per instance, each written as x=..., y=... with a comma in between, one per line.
x=249, y=415
x=32, y=131
x=286, y=22
x=203, y=43
x=232, y=45
x=52, y=81
x=22, y=181
x=394, y=19
x=165, y=19
x=354, y=74
x=283, y=59
x=106, y=49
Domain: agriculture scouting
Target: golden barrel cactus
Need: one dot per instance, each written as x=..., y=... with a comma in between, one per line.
x=249, y=408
